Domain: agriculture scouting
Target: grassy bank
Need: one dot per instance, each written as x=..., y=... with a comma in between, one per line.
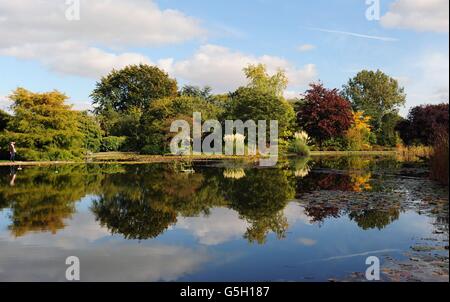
x=135, y=158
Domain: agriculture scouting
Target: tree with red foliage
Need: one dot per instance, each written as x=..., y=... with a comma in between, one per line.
x=323, y=113
x=423, y=124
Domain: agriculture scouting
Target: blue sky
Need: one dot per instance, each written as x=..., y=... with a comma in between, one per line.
x=209, y=42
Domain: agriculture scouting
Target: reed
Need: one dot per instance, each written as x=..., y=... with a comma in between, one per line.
x=439, y=159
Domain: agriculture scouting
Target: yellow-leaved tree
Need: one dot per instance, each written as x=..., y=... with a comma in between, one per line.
x=358, y=136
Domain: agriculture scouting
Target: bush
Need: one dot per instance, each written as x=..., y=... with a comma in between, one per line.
x=299, y=147
x=439, y=160
x=334, y=144
x=151, y=150
x=112, y=143
x=358, y=137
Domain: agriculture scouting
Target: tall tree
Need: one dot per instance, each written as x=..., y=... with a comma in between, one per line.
x=423, y=124
x=261, y=80
x=43, y=126
x=323, y=113
x=133, y=86
x=4, y=119
x=92, y=133
x=376, y=94
x=195, y=91
x=154, y=131
x=255, y=104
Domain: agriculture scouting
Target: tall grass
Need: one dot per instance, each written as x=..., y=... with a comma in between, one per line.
x=439, y=160
x=413, y=153
x=299, y=145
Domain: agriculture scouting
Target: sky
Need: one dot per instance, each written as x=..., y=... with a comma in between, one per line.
x=69, y=45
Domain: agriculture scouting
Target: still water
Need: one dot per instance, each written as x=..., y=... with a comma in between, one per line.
x=305, y=220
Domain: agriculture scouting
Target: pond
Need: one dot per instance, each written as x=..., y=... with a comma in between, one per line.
x=305, y=220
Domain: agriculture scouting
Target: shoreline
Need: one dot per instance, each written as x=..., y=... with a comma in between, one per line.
x=134, y=158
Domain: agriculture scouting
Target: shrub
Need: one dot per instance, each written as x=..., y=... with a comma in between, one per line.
x=112, y=143
x=439, y=160
x=151, y=150
x=299, y=147
x=334, y=144
x=300, y=143
x=359, y=135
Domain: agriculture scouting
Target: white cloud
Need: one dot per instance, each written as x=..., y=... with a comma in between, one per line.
x=74, y=58
x=419, y=15
x=221, y=68
x=307, y=241
x=429, y=80
x=295, y=212
x=220, y=226
x=105, y=22
x=306, y=47
x=38, y=30
x=41, y=256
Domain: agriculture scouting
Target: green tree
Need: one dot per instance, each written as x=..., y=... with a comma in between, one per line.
x=156, y=120
x=92, y=133
x=195, y=91
x=255, y=104
x=4, y=119
x=43, y=127
x=133, y=86
x=389, y=135
x=261, y=80
x=376, y=94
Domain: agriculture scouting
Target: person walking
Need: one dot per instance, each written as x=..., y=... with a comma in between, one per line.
x=12, y=151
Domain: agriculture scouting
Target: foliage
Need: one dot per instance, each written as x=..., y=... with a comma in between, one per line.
x=254, y=104
x=92, y=133
x=413, y=153
x=334, y=144
x=423, y=124
x=112, y=143
x=299, y=145
x=262, y=81
x=134, y=86
x=376, y=94
x=323, y=113
x=4, y=119
x=439, y=160
x=388, y=135
x=358, y=136
x=197, y=92
x=154, y=134
x=43, y=127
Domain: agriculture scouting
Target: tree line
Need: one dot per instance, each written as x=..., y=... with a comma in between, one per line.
x=135, y=106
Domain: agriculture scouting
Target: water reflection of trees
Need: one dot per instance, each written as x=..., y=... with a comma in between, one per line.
x=41, y=198
x=374, y=218
x=142, y=201
x=142, y=204
x=146, y=200
x=260, y=198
